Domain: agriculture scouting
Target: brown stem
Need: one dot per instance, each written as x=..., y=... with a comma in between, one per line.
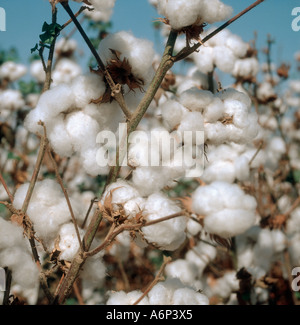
x=59, y=179
x=157, y=278
x=11, y=198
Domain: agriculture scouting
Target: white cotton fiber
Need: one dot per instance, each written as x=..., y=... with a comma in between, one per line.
x=138, y=52
x=65, y=71
x=172, y=112
x=68, y=243
x=11, y=99
x=183, y=270
x=169, y=234
x=12, y=71
x=227, y=209
x=47, y=209
x=196, y=99
x=224, y=58
x=123, y=298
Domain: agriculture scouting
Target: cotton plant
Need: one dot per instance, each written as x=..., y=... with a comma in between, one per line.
x=93, y=222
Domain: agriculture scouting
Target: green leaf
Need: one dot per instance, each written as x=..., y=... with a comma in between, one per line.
x=34, y=48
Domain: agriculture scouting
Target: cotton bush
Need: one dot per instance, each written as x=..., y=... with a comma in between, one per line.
x=77, y=223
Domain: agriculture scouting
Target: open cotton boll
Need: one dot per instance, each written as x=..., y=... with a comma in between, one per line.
x=68, y=243
x=47, y=209
x=263, y=250
x=121, y=192
x=204, y=59
x=172, y=112
x=196, y=99
x=134, y=206
x=188, y=296
x=245, y=68
x=89, y=159
x=83, y=130
x=265, y=91
x=59, y=137
x=138, y=52
x=12, y=71
x=219, y=171
x=65, y=71
x=86, y=88
x=150, y=179
x=225, y=285
x=173, y=292
x=232, y=211
x=11, y=235
x=229, y=222
x=123, y=298
x=195, y=12
x=242, y=170
x=94, y=271
x=213, y=111
x=183, y=270
x=37, y=71
x=295, y=85
x=224, y=58
x=65, y=46
x=11, y=99
x=237, y=45
x=191, y=122
x=169, y=234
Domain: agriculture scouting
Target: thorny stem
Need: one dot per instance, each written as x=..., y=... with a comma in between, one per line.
x=189, y=50
x=157, y=278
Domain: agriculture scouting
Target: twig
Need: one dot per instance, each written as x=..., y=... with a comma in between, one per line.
x=157, y=278
x=48, y=71
x=189, y=50
x=11, y=198
x=78, y=294
x=8, y=279
x=59, y=179
x=88, y=212
x=256, y=152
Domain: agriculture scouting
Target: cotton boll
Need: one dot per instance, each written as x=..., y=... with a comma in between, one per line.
x=192, y=122
x=234, y=94
x=293, y=222
x=242, y=171
x=219, y=171
x=37, y=71
x=123, y=298
x=295, y=85
x=89, y=158
x=229, y=223
x=87, y=88
x=12, y=71
x=150, y=179
x=120, y=191
x=215, y=10
x=94, y=271
x=187, y=296
x=10, y=235
x=65, y=46
x=237, y=45
x=59, y=138
x=11, y=99
x=172, y=112
x=169, y=234
x=193, y=228
x=134, y=206
x=196, y=99
x=231, y=213
x=245, y=68
x=83, y=130
x=213, y=111
x=224, y=58
x=138, y=52
x=279, y=240
x=263, y=250
x=266, y=91
x=65, y=71
x=182, y=269
x=204, y=59
x=68, y=243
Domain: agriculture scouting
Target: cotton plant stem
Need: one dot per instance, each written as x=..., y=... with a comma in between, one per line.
x=157, y=278
x=189, y=50
x=48, y=70
x=59, y=179
x=11, y=198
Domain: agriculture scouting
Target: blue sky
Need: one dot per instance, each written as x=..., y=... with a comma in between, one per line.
x=24, y=20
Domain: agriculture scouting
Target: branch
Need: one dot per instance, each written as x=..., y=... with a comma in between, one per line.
x=11, y=198
x=157, y=278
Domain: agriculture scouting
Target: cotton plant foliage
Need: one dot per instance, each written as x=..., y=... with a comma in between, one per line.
x=227, y=230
